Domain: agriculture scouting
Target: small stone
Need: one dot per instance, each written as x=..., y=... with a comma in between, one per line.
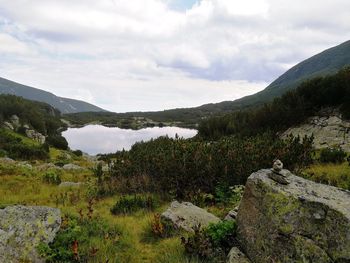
x=279, y=178
x=277, y=166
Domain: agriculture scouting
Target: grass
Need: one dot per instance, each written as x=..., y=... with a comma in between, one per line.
x=332, y=174
x=132, y=246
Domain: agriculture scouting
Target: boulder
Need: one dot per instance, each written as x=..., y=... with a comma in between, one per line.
x=7, y=126
x=301, y=221
x=72, y=166
x=15, y=121
x=22, y=228
x=36, y=136
x=237, y=256
x=187, y=216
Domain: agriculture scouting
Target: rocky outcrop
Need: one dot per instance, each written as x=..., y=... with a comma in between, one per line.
x=187, y=216
x=36, y=136
x=23, y=228
x=301, y=221
x=328, y=131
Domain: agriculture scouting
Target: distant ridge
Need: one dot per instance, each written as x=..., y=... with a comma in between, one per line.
x=64, y=105
x=325, y=63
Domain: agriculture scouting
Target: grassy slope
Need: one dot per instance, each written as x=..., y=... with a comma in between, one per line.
x=136, y=244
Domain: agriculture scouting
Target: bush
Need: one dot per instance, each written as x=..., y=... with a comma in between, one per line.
x=332, y=155
x=130, y=204
x=182, y=168
x=51, y=177
x=211, y=243
x=78, y=153
x=58, y=142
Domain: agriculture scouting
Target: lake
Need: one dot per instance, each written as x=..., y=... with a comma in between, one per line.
x=94, y=139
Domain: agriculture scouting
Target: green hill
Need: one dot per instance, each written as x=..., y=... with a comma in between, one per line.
x=63, y=104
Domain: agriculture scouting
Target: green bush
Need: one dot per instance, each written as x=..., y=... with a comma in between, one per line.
x=58, y=142
x=332, y=155
x=211, y=243
x=17, y=149
x=182, y=168
x=52, y=177
x=130, y=204
x=73, y=242
x=78, y=153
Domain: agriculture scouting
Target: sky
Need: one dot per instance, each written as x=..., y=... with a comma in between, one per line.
x=141, y=55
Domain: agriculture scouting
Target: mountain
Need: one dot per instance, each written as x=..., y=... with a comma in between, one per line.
x=325, y=63
x=65, y=105
x=328, y=62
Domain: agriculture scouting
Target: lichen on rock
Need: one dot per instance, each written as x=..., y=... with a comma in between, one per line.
x=299, y=222
x=23, y=228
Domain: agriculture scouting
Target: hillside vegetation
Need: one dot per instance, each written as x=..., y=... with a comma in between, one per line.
x=291, y=109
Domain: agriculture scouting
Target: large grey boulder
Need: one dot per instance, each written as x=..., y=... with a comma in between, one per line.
x=22, y=228
x=187, y=216
x=298, y=222
x=329, y=130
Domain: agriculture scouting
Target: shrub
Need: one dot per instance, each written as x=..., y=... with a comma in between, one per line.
x=183, y=168
x=78, y=153
x=74, y=239
x=332, y=155
x=51, y=177
x=58, y=142
x=211, y=243
x=129, y=204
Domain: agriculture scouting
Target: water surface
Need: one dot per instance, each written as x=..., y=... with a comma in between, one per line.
x=94, y=139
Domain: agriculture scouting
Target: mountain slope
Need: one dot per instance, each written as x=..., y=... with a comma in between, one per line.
x=325, y=63
x=65, y=105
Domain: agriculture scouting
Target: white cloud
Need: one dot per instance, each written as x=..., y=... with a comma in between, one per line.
x=146, y=55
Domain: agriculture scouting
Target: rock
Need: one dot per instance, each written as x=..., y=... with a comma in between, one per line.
x=329, y=130
x=7, y=160
x=25, y=165
x=187, y=216
x=8, y=126
x=23, y=228
x=15, y=121
x=70, y=184
x=37, y=136
x=232, y=215
x=72, y=166
x=299, y=222
x=237, y=256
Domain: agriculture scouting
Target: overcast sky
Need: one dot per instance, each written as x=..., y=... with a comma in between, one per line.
x=127, y=55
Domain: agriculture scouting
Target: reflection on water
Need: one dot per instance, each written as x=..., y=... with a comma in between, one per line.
x=94, y=139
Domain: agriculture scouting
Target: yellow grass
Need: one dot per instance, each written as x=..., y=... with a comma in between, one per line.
x=331, y=174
